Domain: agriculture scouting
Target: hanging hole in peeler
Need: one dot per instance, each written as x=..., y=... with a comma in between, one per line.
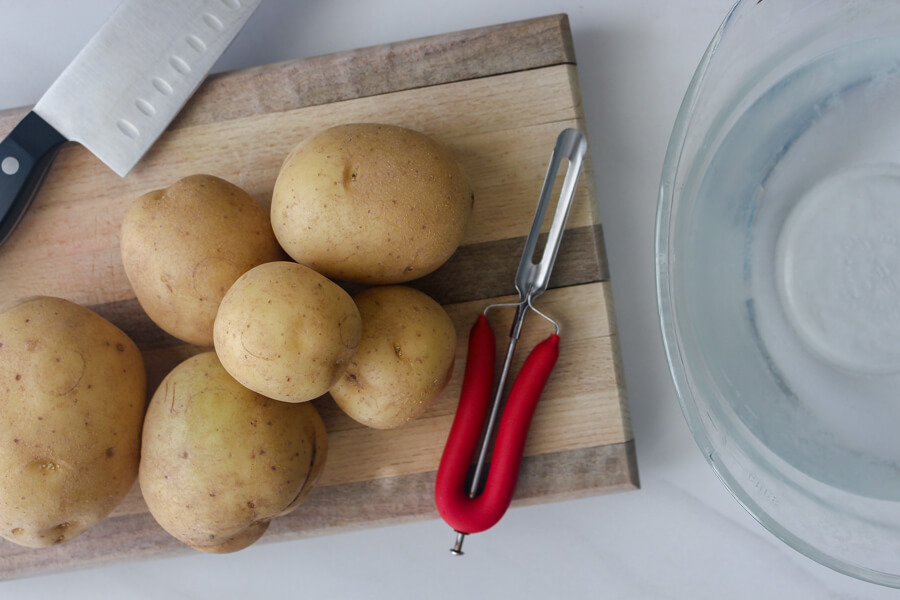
x=550, y=208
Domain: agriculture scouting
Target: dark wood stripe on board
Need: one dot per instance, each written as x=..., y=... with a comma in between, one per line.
x=474, y=272
x=394, y=67
x=378, y=502
x=488, y=270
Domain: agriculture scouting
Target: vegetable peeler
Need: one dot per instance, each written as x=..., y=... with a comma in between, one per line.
x=473, y=504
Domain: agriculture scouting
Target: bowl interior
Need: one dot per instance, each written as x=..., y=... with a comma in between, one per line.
x=778, y=264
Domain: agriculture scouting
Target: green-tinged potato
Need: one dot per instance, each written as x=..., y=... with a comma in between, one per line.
x=183, y=247
x=220, y=461
x=404, y=361
x=72, y=398
x=287, y=332
x=371, y=203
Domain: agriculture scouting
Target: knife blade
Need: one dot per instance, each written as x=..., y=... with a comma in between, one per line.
x=120, y=92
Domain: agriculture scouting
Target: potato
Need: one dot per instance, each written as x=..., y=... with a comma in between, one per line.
x=404, y=361
x=72, y=399
x=220, y=461
x=371, y=203
x=286, y=332
x=183, y=247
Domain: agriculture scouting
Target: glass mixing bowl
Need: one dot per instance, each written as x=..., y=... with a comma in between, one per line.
x=778, y=272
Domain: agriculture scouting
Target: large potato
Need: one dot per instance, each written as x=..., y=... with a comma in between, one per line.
x=371, y=203
x=72, y=398
x=220, y=461
x=183, y=247
x=404, y=361
x=287, y=332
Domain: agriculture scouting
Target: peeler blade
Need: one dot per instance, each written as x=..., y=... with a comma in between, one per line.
x=533, y=278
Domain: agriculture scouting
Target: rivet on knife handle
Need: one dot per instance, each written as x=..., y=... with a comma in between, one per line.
x=25, y=157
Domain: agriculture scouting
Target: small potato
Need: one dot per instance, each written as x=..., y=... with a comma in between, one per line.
x=371, y=203
x=183, y=247
x=286, y=332
x=404, y=361
x=220, y=461
x=72, y=399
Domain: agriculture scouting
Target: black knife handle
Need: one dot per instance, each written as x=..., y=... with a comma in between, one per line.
x=25, y=157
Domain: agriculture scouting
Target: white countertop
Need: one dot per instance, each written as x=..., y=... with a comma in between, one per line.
x=682, y=535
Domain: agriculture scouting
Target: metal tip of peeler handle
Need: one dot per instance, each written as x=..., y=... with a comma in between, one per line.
x=456, y=550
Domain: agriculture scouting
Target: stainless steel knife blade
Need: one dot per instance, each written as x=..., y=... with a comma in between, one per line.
x=133, y=77
x=121, y=91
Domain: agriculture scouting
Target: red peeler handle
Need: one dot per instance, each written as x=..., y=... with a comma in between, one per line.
x=472, y=515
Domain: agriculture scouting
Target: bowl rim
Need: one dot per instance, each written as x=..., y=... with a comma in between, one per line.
x=669, y=329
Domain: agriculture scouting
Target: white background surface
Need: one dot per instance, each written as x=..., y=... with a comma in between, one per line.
x=682, y=535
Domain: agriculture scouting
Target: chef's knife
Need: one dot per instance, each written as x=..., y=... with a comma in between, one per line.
x=120, y=92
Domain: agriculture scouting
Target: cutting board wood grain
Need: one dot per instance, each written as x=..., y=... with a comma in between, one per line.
x=497, y=97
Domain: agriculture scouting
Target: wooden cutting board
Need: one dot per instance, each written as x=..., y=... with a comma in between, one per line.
x=497, y=97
